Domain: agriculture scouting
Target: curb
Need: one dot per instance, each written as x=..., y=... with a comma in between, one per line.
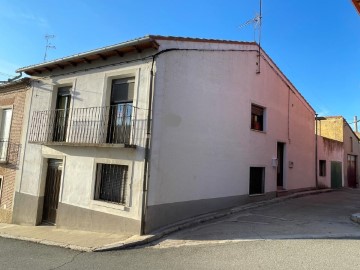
x=46, y=242
x=146, y=239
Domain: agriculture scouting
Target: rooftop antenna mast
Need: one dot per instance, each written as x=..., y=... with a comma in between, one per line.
x=48, y=45
x=256, y=21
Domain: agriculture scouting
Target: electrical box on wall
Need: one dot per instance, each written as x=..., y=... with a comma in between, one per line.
x=274, y=162
x=291, y=164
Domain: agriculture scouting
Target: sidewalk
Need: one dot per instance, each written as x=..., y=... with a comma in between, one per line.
x=93, y=241
x=73, y=239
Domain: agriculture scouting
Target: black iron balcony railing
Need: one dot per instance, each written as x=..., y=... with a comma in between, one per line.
x=9, y=152
x=116, y=124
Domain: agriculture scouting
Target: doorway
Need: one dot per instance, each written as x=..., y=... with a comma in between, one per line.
x=62, y=114
x=280, y=167
x=52, y=189
x=351, y=171
x=336, y=174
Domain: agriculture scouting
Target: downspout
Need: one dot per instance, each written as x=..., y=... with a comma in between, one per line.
x=316, y=151
x=147, y=151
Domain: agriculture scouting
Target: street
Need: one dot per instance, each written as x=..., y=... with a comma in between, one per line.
x=312, y=232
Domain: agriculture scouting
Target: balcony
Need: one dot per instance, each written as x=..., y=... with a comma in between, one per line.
x=9, y=152
x=115, y=125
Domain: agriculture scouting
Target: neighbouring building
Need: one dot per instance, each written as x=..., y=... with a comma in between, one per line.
x=357, y=4
x=338, y=130
x=13, y=96
x=139, y=135
x=330, y=163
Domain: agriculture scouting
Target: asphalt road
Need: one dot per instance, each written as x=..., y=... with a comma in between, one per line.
x=304, y=233
x=263, y=254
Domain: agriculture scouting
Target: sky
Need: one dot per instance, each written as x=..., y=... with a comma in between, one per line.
x=316, y=43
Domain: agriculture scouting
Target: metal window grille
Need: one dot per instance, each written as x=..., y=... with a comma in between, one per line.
x=111, y=183
x=9, y=152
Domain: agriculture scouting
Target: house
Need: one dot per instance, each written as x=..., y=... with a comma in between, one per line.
x=13, y=97
x=330, y=163
x=139, y=135
x=336, y=128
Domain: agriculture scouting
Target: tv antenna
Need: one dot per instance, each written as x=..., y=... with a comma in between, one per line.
x=256, y=21
x=48, y=45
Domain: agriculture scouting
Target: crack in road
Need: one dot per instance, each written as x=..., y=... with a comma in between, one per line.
x=70, y=261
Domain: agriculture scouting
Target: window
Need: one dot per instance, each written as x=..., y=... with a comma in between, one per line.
x=5, y=123
x=257, y=176
x=351, y=144
x=322, y=167
x=257, y=117
x=111, y=183
x=120, y=115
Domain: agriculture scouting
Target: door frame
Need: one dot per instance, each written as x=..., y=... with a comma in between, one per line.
x=59, y=163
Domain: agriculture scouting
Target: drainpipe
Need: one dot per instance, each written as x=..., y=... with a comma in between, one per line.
x=147, y=152
x=316, y=151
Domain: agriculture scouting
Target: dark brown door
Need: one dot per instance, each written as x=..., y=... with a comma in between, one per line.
x=280, y=167
x=52, y=188
x=351, y=171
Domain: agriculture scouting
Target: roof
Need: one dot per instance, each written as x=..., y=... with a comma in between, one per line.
x=120, y=49
x=137, y=45
x=20, y=82
x=357, y=5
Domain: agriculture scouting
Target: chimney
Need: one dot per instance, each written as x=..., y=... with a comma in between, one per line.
x=355, y=123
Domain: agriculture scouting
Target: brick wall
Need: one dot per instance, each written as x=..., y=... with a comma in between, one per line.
x=12, y=95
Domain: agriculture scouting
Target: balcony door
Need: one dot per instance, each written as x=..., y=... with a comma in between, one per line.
x=5, y=124
x=61, y=114
x=120, y=113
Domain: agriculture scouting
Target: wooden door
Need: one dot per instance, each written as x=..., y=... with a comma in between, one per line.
x=280, y=167
x=336, y=173
x=351, y=171
x=52, y=188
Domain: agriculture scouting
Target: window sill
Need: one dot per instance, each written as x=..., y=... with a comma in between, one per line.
x=102, y=204
x=259, y=131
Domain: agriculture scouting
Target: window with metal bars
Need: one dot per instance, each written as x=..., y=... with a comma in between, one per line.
x=111, y=183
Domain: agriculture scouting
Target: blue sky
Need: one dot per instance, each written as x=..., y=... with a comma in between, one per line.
x=315, y=43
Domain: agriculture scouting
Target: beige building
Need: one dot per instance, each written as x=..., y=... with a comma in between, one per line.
x=337, y=129
x=12, y=101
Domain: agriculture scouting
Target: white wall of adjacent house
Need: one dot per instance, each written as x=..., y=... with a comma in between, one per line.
x=89, y=88
x=202, y=142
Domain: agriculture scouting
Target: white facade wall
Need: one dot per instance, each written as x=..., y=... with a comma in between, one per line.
x=202, y=144
x=90, y=88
